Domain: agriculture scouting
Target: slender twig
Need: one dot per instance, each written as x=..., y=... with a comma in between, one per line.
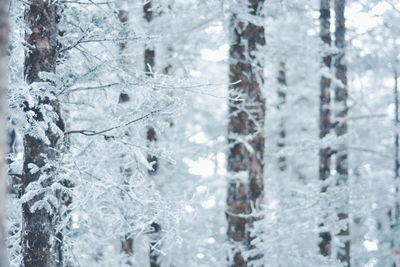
x=366, y=117
x=370, y=151
x=84, y=3
x=118, y=39
x=82, y=41
x=92, y=132
x=74, y=45
x=93, y=87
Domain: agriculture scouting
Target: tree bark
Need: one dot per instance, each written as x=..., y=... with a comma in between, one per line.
x=245, y=134
x=149, y=64
x=341, y=111
x=325, y=115
x=4, y=30
x=40, y=247
x=282, y=83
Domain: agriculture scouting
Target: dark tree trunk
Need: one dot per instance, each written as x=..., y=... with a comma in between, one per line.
x=39, y=243
x=154, y=255
x=246, y=124
x=15, y=185
x=123, y=17
x=394, y=212
x=149, y=63
x=65, y=198
x=397, y=121
x=341, y=124
x=282, y=83
x=4, y=29
x=325, y=115
x=11, y=141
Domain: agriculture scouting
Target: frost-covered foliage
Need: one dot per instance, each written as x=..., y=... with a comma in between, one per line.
x=294, y=208
x=105, y=161
x=109, y=101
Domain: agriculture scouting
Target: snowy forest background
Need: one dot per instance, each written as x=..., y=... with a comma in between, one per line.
x=200, y=133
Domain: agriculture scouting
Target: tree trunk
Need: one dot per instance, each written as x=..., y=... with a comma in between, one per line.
x=397, y=121
x=154, y=254
x=341, y=109
x=245, y=135
x=282, y=83
x=11, y=141
x=394, y=212
x=123, y=17
x=40, y=247
x=4, y=29
x=149, y=63
x=325, y=115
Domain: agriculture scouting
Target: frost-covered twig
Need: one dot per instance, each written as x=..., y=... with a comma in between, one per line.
x=92, y=132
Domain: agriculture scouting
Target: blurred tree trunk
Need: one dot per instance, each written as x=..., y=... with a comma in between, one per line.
x=397, y=121
x=11, y=140
x=11, y=143
x=325, y=114
x=341, y=111
x=123, y=17
x=39, y=245
x=394, y=212
x=4, y=29
x=149, y=64
x=282, y=90
x=245, y=134
x=66, y=198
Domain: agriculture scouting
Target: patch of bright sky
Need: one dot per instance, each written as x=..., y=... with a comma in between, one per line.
x=201, y=189
x=202, y=167
x=207, y=167
x=200, y=255
x=371, y=245
x=372, y=263
x=361, y=21
x=199, y=138
x=211, y=240
x=219, y=54
x=195, y=73
x=273, y=204
x=221, y=159
x=357, y=18
x=390, y=110
x=189, y=209
x=209, y=203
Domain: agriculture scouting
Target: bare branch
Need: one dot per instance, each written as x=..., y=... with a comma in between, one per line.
x=92, y=132
x=84, y=3
x=370, y=151
x=372, y=116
